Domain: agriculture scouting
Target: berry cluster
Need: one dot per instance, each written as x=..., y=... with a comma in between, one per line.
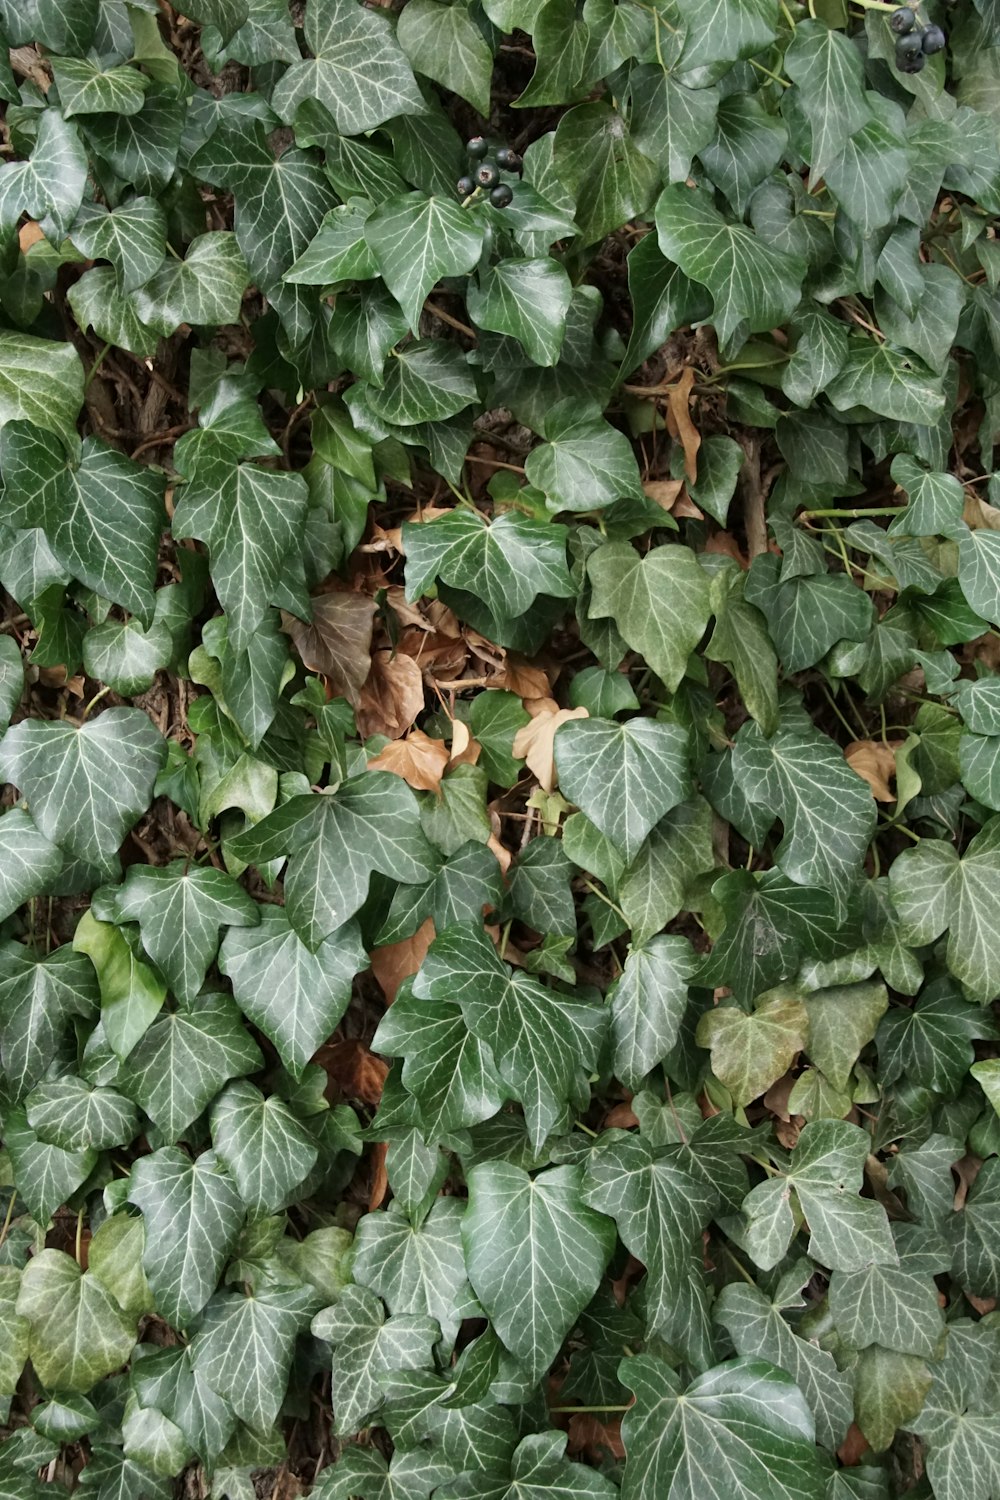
x=486, y=175
x=914, y=44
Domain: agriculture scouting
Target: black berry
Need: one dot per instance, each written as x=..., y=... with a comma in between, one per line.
x=509, y=160
x=914, y=64
x=465, y=186
x=477, y=147
x=934, y=40
x=502, y=196
x=909, y=46
x=487, y=176
x=902, y=20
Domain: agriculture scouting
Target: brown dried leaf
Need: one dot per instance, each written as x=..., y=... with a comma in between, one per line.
x=465, y=751
x=854, y=1447
x=353, y=1071
x=29, y=234
x=595, y=1439
x=680, y=424
x=534, y=742
x=379, y=1176
x=875, y=761
x=392, y=697
x=397, y=961
x=726, y=545
x=337, y=643
x=666, y=492
x=524, y=678
x=418, y=759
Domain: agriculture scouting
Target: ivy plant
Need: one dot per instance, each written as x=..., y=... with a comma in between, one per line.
x=500, y=745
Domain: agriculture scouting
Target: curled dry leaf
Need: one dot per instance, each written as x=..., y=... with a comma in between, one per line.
x=680, y=424
x=594, y=1439
x=392, y=697
x=465, y=751
x=875, y=761
x=534, y=742
x=337, y=643
x=419, y=760
x=397, y=961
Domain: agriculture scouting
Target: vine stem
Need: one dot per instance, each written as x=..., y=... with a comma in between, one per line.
x=572, y=1409
x=9, y=1218
x=858, y=513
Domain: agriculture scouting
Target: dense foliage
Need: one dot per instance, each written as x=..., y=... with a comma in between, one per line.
x=500, y=859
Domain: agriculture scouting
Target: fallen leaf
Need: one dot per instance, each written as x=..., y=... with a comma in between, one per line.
x=419, y=760
x=595, y=1439
x=29, y=234
x=524, y=679
x=980, y=516
x=680, y=424
x=379, y=1176
x=436, y=653
x=726, y=545
x=534, y=742
x=354, y=1072
x=875, y=761
x=503, y=856
x=337, y=642
x=620, y=1117
x=665, y=492
x=391, y=698
x=397, y=961
x=465, y=751
x=853, y=1448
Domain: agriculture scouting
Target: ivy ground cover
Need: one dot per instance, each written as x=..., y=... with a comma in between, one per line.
x=500, y=830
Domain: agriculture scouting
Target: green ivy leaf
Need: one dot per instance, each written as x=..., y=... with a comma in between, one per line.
x=206, y=287
x=181, y=911
x=847, y=1232
x=585, y=465
x=648, y=1004
x=85, y=88
x=828, y=72
x=192, y=1214
x=132, y=237
x=756, y=1325
x=692, y=1442
x=335, y=842
x=544, y=1042
x=29, y=862
x=538, y=1468
x=166, y=1380
x=267, y=1150
x=418, y=1269
x=444, y=43
x=243, y=1348
x=87, y=786
x=185, y=1058
x=750, y=1052
x=367, y=1346
x=78, y=1332
x=251, y=519
x=826, y=809
x=415, y=241
x=599, y=163
x=357, y=71
x=724, y=30
x=103, y=515
x=68, y=1113
x=39, y=997
x=507, y=562
x=295, y=996
x=753, y=285
x=535, y=1254
x=527, y=299
x=448, y=1070
x=936, y=891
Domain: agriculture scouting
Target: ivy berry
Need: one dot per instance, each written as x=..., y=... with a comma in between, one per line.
x=502, y=196
x=477, y=147
x=934, y=40
x=509, y=160
x=487, y=175
x=465, y=186
x=902, y=21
